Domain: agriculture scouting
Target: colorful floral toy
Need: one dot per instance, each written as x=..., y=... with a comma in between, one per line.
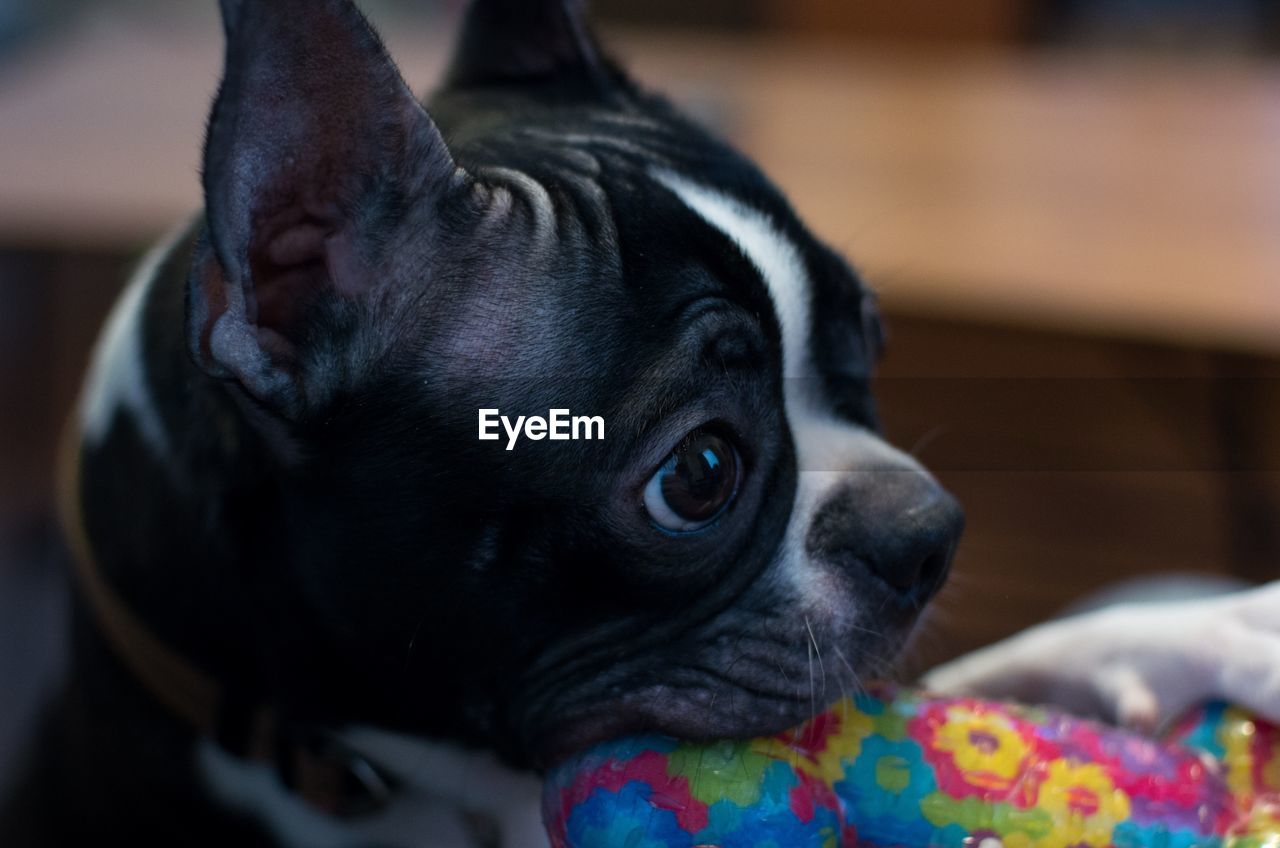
x=905, y=769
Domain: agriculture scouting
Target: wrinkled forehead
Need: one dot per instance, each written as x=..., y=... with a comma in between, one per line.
x=625, y=217
x=613, y=215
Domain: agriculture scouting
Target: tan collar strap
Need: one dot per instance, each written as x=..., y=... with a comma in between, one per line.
x=181, y=687
x=315, y=766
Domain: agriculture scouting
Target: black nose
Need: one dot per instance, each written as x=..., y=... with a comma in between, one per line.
x=899, y=524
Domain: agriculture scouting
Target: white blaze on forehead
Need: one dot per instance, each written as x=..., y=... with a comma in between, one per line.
x=117, y=379
x=774, y=255
x=828, y=450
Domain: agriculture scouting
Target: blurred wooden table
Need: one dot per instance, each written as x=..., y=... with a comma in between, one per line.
x=1081, y=257
x=1138, y=198
x=1135, y=197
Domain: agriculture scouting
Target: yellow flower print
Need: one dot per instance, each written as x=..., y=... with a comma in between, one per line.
x=986, y=747
x=1084, y=804
x=821, y=752
x=1236, y=736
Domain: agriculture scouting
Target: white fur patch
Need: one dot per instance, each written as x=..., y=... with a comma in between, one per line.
x=828, y=449
x=438, y=784
x=1136, y=664
x=254, y=790
x=468, y=780
x=774, y=255
x=117, y=378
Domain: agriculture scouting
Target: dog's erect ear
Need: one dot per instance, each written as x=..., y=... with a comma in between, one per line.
x=507, y=41
x=315, y=148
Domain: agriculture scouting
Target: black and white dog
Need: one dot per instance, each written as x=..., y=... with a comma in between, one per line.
x=296, y=549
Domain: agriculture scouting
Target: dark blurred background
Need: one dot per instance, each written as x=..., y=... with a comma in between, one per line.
x=1071, y=208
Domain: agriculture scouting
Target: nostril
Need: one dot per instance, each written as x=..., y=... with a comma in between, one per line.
x=915, y=557
x=899, y=569
x=915, y=573
x=933, y=573
x=911, y=572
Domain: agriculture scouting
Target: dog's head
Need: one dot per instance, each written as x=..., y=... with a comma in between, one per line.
x=738, y=548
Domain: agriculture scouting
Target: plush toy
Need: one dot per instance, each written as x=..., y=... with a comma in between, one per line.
x=906, y=769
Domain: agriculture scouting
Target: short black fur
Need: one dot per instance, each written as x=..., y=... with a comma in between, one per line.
x=324, y=533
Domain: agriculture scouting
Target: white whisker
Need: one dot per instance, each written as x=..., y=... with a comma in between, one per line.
x=822, y=666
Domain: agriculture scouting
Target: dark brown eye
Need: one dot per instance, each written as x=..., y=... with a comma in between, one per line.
x=695, y=485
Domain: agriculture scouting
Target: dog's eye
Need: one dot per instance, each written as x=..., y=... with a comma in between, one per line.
x=695, y=485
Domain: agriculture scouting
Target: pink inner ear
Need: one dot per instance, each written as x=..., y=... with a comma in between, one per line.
x=290, y=271
x=297, y=244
